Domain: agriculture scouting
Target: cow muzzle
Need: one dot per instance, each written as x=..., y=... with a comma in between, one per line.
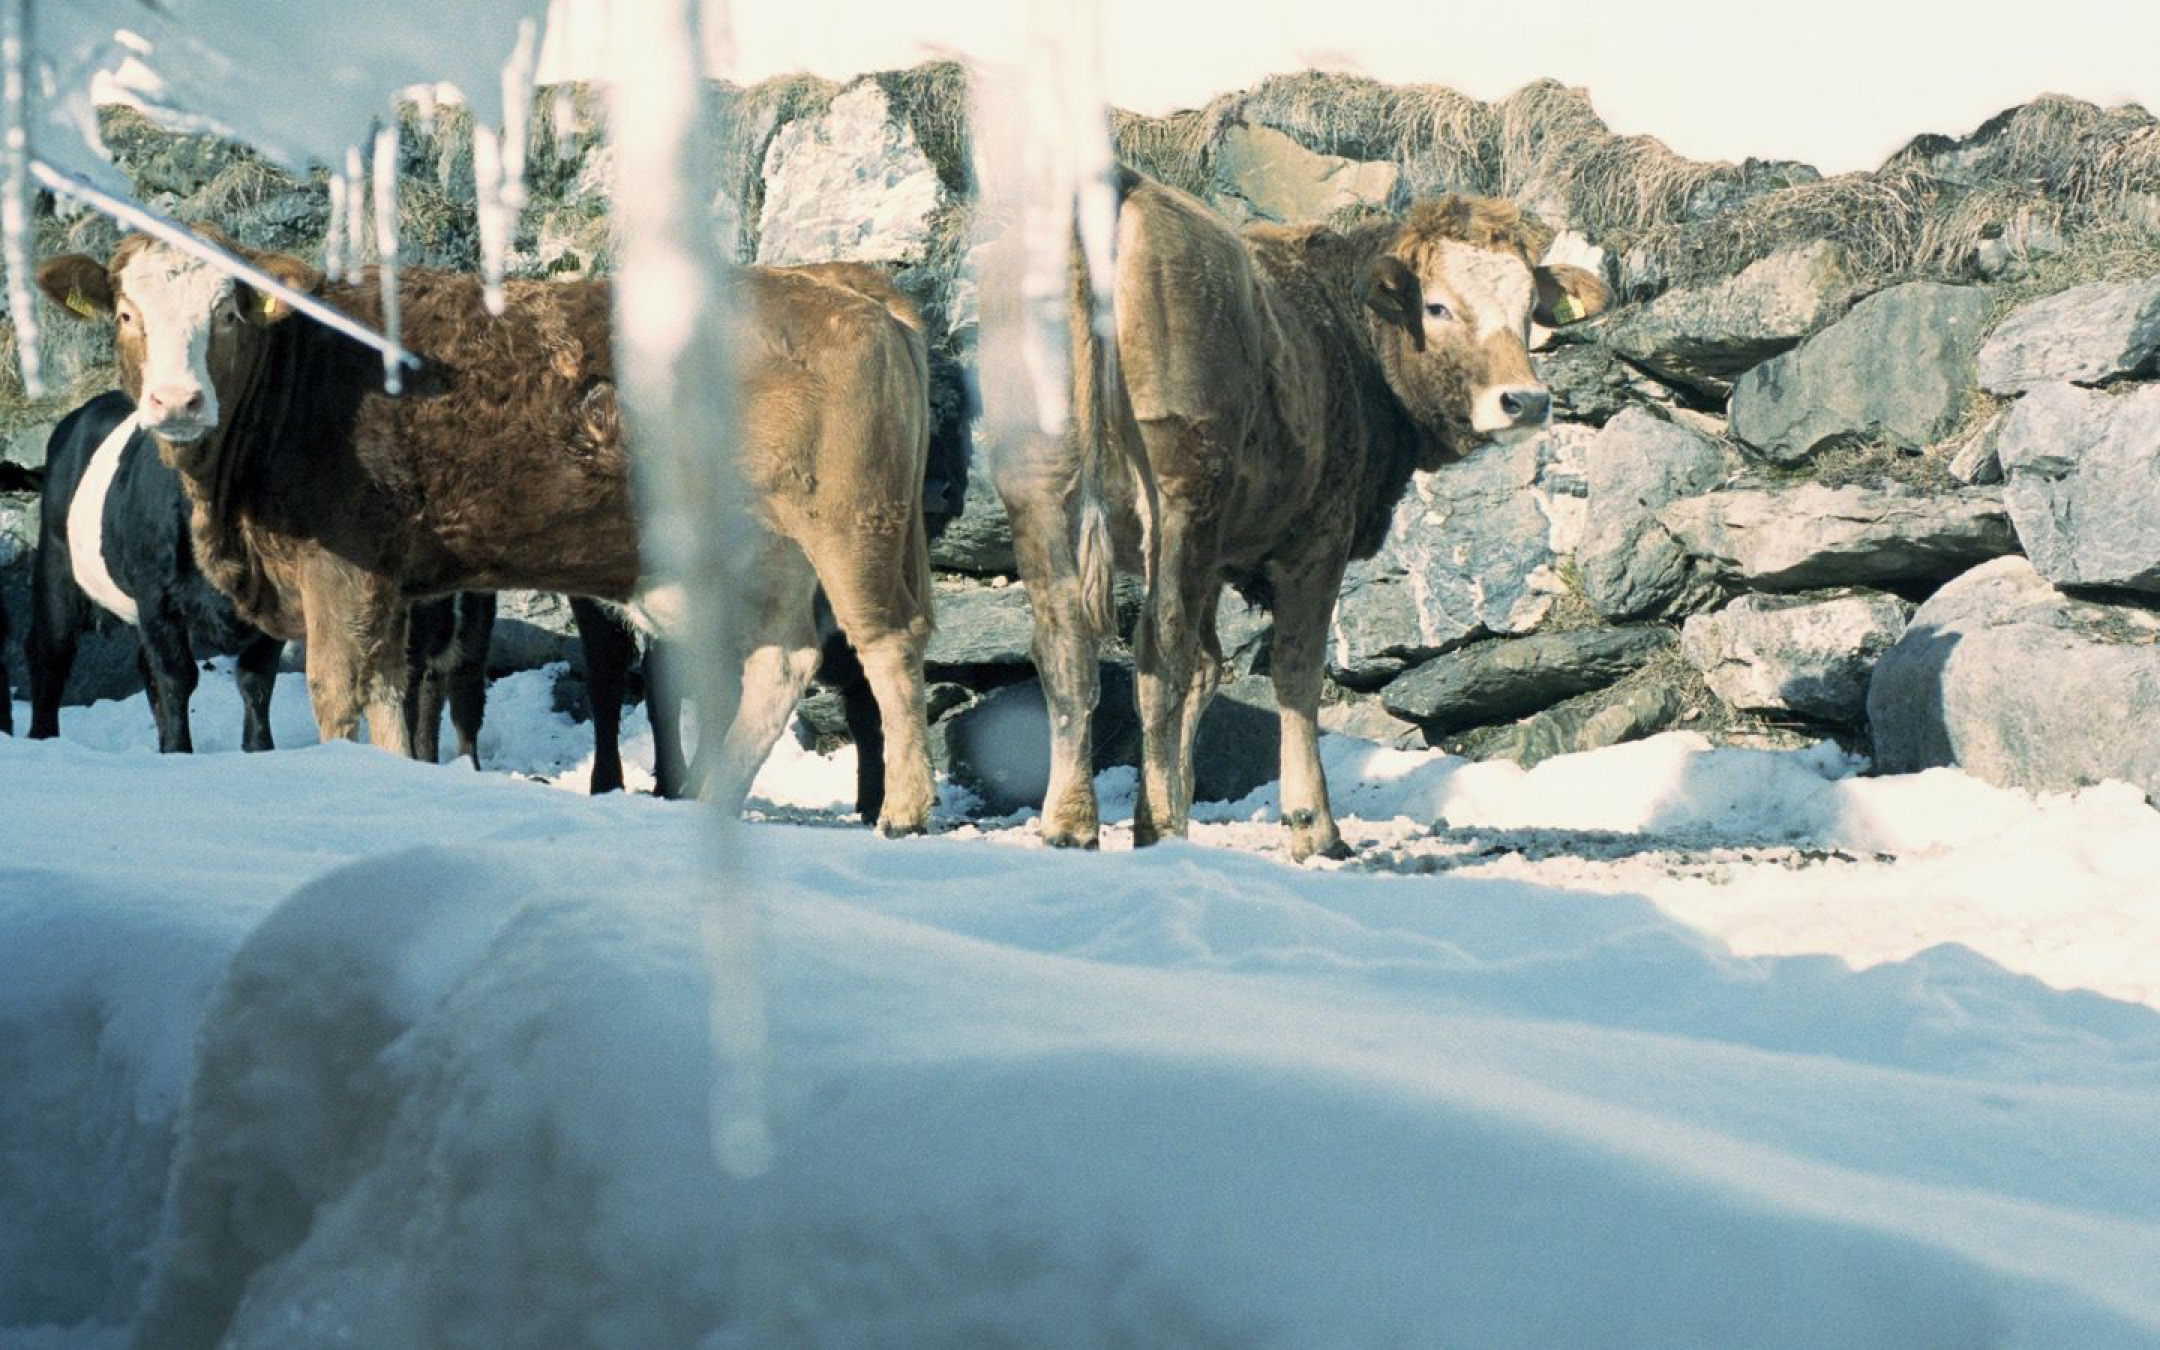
x=178, y=413
x=1511, y=412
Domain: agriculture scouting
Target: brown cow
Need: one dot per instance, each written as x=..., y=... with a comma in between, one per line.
x=324, y=506
x=1265, y=402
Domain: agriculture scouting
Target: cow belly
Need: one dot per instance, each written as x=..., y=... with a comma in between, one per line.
x=86, y=524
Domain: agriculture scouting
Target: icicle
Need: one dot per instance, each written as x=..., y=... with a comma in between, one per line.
x=424, y=104
x=16, y=242
x=493, y=212
x=386, y=246
x=517, y=92
x=562, y=120
x=672, y=352
x=1066, y=177
x=355, y=213
x=334, y=243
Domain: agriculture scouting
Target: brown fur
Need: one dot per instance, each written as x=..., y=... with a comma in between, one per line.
x=1261, y=409
x=324, y=506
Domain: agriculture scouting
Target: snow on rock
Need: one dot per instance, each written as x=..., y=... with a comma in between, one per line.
x=849, y=186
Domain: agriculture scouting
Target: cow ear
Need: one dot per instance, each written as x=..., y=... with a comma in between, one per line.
x=1392, y=290
x=1568, y=294
x=78, y=284
x=288, y=269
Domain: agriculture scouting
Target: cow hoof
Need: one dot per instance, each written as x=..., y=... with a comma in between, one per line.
x=1070, y=839
x=900, y=829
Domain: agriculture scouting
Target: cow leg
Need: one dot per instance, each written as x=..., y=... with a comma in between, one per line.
x=356, y=656
x=467, y=677
x=169, y=668
x=663, y=708
x=839, y=667
x=1304, y=603
x=1038, y=503
x=256, y=674
x=608, y=647
x=429, y=632
x=58, y=613
x=770, y=653
x=886, y=623
x=1172, y=675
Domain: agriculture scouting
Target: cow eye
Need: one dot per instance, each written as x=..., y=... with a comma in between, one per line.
x=1437, y=310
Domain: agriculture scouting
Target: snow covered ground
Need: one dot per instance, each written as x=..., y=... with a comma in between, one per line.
x=1658, y=1046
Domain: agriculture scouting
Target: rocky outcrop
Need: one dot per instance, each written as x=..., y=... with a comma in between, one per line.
x=2079, y=468
x=851, y=185
x=1707, y=336
x=1795, y=538
x=1805, y=655
x=1896, y=369
x=1262, y=174
x=1628, y=564
x=1508, y=678
x=2004, y=676
x=2086, y=335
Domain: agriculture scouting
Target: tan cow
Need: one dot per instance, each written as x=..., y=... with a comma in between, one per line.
x=1266, y=399
x=324, y=506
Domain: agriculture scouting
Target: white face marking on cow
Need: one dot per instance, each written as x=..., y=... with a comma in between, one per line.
x=1492, y=292
x=86, y=525
x=1492, y=295
x=173, y=302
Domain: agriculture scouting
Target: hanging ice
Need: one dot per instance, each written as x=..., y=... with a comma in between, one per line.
x=672, y=320
x=16, y=240
x=386, y=245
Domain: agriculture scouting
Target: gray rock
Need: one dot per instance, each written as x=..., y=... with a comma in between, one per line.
x=1592, y=722
x=2004, y=676
x=849, y=185
x=1590, y=384
x=1473, y=550
x=1807, y=536
x=1260, y=173
x=981, y=625
x=1367, y=718
x=1628, y=566
x=1507, y=678
x=532, y=628
x=2079, y=468
x=1707, y=336
x=1974, y=463
x=979, y=539
x=1809, y=655
x=2085, y=335
x=1896, y=368
x=999, y=747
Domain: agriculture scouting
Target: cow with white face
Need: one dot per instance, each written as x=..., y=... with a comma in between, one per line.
x=1271, y=393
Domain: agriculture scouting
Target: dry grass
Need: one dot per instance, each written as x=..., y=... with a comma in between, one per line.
x=933, y=100
x=1880, y=218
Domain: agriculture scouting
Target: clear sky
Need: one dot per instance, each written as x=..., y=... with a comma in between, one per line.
x=1837, y=83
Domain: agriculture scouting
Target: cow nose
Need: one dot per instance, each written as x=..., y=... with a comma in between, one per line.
x=175, y=400
x=1526, y=407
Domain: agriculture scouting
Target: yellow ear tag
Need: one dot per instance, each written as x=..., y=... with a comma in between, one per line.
x=269, y=306
x=76, y=302
x=1568, y=310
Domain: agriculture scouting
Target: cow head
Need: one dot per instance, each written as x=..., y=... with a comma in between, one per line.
x=185, y=332
x=1453, y=298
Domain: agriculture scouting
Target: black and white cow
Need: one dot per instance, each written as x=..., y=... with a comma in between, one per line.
x=114, y=537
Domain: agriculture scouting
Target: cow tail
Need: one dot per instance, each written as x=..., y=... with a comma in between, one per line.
x=1094, y=380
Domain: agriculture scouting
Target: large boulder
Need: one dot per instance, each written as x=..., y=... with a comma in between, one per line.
x=1506, y=678
x=2079, y=467
x=2086, y=334
x=2004, y=676
x=1629, y=567
x=1473, y=550
x=1805, y=655
x=1592, y=721
x=1707, y=336
x=850, y=185
x=1263, y=174
x=1797, y=538
x=1896, y=369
